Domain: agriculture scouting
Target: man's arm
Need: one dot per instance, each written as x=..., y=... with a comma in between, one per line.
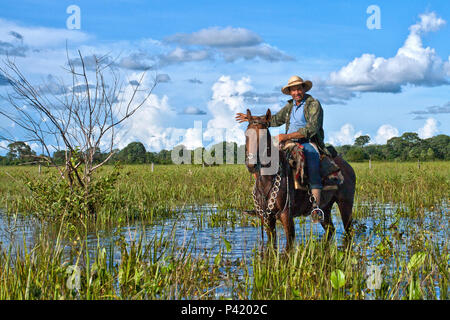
x=280, y=117
x=294, y=135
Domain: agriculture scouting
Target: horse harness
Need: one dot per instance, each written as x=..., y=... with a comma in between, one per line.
x=268, y=211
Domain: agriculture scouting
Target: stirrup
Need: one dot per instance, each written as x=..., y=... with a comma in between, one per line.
x=317, y=215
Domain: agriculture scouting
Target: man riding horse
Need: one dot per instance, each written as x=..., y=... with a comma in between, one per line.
x=303, y=116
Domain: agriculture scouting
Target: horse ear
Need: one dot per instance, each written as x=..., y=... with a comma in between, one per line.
x=249, y=114
x=268, y=115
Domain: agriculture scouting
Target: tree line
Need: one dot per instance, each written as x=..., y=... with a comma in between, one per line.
x=408, y=147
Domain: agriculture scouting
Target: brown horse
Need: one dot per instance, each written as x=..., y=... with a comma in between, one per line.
x=274, y=194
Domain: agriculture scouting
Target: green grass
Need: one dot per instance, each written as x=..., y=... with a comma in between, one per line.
x=159, y=269
x=144, y=193
x=414, y=266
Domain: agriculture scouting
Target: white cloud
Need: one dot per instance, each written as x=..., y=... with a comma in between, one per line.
x=227, y=99
x=40, y=37
x=193, y=137
x=346, y=135
x=263, y=51
x=193, y=111
x=230, y=43
x=385, y=132
x=413, y=64
x=150, y=123
x=180, y=55
x=218, y=37
x=429, y=129
x=4, y=144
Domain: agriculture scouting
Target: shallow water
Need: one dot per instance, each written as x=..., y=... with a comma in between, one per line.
x=205, y=229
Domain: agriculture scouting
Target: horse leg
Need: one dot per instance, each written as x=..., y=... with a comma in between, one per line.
x=327, y=223
x=289, y=228
x=345, y=208
x=271, y=231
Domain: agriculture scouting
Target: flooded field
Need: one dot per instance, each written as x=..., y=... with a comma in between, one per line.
x=226, y=247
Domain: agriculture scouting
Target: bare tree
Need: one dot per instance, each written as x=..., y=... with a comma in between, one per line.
x=79, y=118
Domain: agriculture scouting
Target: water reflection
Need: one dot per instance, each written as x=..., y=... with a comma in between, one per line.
x=200, y=229
x=209, y=231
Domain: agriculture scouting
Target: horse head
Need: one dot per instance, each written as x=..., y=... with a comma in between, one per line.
x=257, y=133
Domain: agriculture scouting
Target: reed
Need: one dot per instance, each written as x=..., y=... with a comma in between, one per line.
x=143, y=193
x=404, y=207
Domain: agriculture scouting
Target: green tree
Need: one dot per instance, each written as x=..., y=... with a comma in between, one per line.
x=361, y=141
x=134, y=152
x=414, y=153
x=356, y=154
x=59, y=156
x=440, y=145
x=19, y=151
x=411, y=138
x=430, y=154
x=397, y=148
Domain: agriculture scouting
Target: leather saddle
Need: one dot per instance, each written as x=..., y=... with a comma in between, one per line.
x=329, y=170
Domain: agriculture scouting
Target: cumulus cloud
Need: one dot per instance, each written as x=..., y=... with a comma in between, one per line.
x=181, y=55
x=162, y=77
x=263, y=51
x=252, y=97
x=40, y=37
x=135, y=61
x=52, y=86
x=386, y=132
x=193, y=111
x=429, y=129
x=195, y=81
x=91, y=62
x=13, y=49
x=151, y=122
x=227, y=99
x=413, y=64
x=346, y=135
x=16, y=35
x=230, y=43
x=218, y=37
x=329, y=94
x=432, y=110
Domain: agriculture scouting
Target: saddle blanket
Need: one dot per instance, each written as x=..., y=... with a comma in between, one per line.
x=329, y=170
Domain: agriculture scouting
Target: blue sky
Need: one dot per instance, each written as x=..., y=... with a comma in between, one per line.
x=218, y=58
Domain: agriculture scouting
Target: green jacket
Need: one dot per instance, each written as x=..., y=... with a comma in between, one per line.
x=314, y=121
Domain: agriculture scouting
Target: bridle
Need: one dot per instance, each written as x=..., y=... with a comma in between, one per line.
x=265, y=211
x=251, y=156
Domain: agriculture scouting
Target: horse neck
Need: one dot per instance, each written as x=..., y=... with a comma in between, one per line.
x=282, y=162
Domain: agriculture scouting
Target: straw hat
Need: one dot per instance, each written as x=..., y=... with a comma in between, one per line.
x=295, y=81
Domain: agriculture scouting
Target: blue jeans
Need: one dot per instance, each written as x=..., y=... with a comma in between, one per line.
x=313, y=166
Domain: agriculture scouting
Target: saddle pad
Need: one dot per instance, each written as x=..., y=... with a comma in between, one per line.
x=329, y=170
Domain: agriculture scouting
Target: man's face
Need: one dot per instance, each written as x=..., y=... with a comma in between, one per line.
x=297, y=92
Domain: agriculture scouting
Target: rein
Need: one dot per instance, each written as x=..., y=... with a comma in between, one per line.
x=269, y=203
x=267, y=212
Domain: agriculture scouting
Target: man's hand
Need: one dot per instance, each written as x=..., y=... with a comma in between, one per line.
x=282, y=137
x=240, y=117
x=294, y=135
